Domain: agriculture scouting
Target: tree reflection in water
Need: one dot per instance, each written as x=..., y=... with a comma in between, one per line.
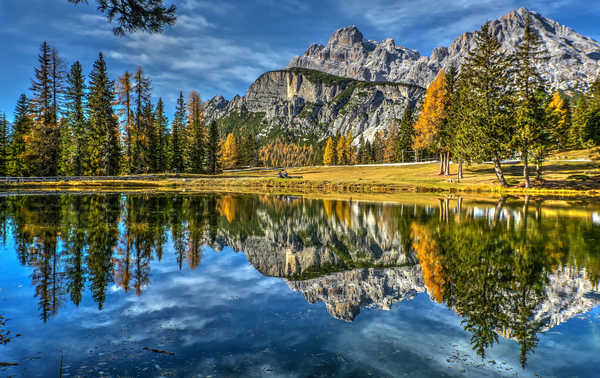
x=490, y=263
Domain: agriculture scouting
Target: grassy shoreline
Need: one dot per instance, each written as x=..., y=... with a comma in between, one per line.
x=570, y=175
x=563, y=178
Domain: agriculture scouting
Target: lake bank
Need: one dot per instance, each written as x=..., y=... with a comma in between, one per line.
x=561, y=178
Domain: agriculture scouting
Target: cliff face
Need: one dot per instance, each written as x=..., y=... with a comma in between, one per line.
x=306, y=102
x=573, y=58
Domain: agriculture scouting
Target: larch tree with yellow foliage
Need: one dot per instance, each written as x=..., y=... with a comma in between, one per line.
x=329, y=154
x=228, y=152
x=340, y=151
x=430, y=129
x=559, y=119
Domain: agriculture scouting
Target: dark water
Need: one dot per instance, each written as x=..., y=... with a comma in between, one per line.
x=223, y=285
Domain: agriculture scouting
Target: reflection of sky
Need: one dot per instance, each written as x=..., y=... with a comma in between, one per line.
x=225, y=318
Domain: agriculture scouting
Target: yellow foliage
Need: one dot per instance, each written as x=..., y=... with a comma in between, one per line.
x=228, y=152
x=328, y=155
x=433, y=115
x=428, y=253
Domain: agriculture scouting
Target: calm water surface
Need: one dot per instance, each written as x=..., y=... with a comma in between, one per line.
x=224, y=285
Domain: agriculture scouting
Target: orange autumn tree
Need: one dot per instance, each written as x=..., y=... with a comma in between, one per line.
x=427, y=251
x=430, y=129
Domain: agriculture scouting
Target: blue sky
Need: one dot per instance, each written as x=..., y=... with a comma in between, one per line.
x=220, y=47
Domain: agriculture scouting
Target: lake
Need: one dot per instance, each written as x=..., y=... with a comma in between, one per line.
x=280, y=286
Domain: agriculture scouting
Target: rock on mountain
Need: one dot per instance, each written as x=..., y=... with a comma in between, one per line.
x=573, y=58
x=311, y=103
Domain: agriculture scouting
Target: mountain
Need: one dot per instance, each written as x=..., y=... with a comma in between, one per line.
x=574, y=59
x=359, y=85
x=306, y=102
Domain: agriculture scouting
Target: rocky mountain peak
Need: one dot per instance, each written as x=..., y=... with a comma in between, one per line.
x=347, y=36
x=574, y=58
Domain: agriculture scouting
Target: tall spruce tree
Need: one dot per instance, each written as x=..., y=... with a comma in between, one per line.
x=488, y=100
x=195, y=152
x=124, y=95
x=4, y=145
x=74, y=130
x=529, y=106
x=43, y=144
x=162, y=135
x=178, y=136
x=213, y=147
x=143, y=121
x=405, y=134
x=21, y=129
x=103, y=149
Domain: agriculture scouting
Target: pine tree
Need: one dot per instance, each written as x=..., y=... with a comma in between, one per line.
x=487, y=101
x=578, y=133
x=103, y=147
x=4, y=145
x=21, y=129
x=178, y=136
x=143, y=122
x=329, y=153
x=161, y=138
x=405, y=134
x=74, y=129
x=124, y=96
x=378, y=146
x=196, y=134
x=212, y=150
x=43, y=143
x=529, y=112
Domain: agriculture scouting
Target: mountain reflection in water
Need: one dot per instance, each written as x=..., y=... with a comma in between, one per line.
x=511, y=268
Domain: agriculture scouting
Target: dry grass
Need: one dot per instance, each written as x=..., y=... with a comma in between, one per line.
x=562, y=176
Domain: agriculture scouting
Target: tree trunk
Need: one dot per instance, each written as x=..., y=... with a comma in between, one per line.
x=460, y=170
x=498, y=171
x=447, y=170
x=538, y=168
x=442, y=165
x=526, y=169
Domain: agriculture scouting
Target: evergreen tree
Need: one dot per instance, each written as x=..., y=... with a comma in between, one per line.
x=405, y=135
x=161, y=138
x=196, y=134
x=124, y=95
x=4, y=145
x=212, y=150
x=74, y=129
x=103, y=147
x=529, y=112
x=143, y=122
x=43, y=143
x=178, y=136
x=133, y=15
x=487, y=101
x=578, y=133
x=21, y=129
